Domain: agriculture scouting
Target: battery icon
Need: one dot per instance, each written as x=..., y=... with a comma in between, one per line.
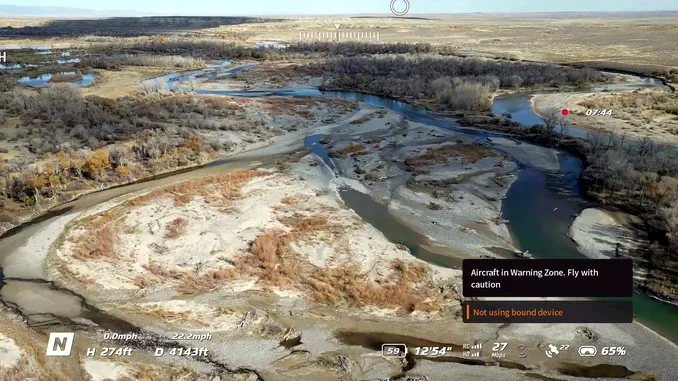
x=394, y=350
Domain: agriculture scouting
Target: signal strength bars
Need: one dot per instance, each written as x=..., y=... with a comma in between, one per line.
x=472, y=350
x=338, y=36
x=472, y=347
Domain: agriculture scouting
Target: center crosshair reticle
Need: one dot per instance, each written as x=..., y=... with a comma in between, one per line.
x=400, y=13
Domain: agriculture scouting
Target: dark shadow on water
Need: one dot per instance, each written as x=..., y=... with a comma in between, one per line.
x=378, y=216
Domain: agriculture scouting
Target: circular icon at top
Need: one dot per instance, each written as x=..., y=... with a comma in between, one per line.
x=403, y=12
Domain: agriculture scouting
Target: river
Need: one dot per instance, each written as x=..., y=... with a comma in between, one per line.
x=540, y=206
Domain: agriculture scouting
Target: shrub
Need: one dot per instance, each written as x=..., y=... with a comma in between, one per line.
x=372, y=176
x=434, y=206
x=176, y=228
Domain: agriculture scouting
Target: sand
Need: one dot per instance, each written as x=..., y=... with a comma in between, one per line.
x=597, y=233
x=101, y=370
x=467, y=225
x=657, y=126
x=10, y=353
x=213, y=238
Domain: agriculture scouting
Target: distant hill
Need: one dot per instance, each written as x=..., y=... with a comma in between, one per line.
x=35, y=11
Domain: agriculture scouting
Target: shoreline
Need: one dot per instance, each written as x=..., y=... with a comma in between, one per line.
x=176, y=171
x=612, y=338
x=6, y=228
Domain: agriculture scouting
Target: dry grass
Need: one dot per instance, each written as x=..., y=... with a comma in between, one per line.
x=372, y=176
x=280, y=74
x=275, y=264
x=74, y=277
x=350, y=150
x=98, y=236
x=176, y=228
x=362, y=120
x=166, y=315
x=189, y=281
x=223, y=103
x=289, y=200
x=468, y=153
x=626, y=39
x=192, y=283
x=304, y=226
x=172, y=373
x=287, y=106
x=34, y=365
x=406, y=287
x=97, y=244
x=216, y=190
x=271, y=260
x=181, y=199
x=635, y=102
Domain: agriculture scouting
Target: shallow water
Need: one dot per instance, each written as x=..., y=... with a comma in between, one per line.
x=312, y=143
x=8, y=66
x=44, y=80
x=394, y=230
x=519, y=106
x=539, y=222
x=68, y=61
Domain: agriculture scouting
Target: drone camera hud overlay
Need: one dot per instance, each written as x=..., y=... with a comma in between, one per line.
x=356, y=190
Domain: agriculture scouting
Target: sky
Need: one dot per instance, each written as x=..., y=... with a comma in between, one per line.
x=301, y=7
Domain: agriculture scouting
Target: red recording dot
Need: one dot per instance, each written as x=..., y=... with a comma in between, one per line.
x=565, y=112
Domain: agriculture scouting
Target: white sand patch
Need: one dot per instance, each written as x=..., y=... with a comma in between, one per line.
x=379, y=312
x=10, y=353
x=529, y=154
x=100, y=370
x=287, y=293
x=318, y=253
x=597, y=233
x=240, y=286
x=341, y=182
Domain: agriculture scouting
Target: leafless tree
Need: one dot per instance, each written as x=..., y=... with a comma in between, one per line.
x=551, y=118
x=563, y=127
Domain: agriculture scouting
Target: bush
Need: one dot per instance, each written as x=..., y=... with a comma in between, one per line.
x=434, y=206
x=114, y=62
x=176, y=228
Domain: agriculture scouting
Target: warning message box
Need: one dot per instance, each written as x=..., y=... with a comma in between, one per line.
x=547, y=277
x=548, y=311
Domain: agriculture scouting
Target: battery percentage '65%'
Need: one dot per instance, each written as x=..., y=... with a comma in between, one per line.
x=394, y=350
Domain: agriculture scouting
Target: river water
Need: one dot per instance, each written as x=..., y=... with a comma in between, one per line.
x=43, y=80
x=539, y=205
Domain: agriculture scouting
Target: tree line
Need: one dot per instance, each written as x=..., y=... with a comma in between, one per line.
x=454, y=82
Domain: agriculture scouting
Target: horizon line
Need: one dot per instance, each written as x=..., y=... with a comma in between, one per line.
x=382, y=14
